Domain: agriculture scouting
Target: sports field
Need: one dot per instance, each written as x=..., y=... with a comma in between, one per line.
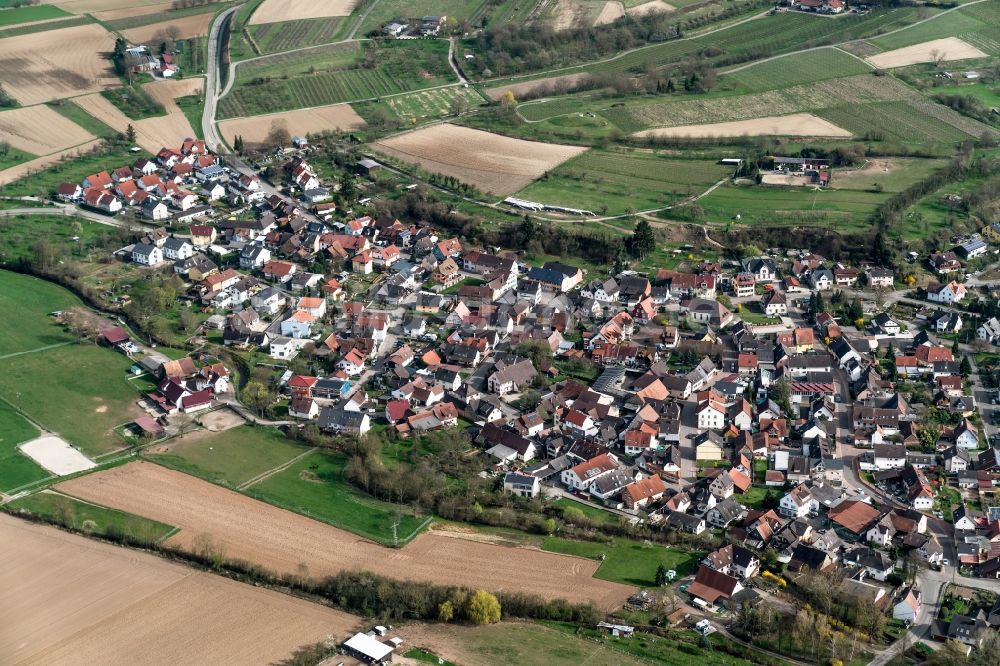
x=609, y=181
x=65, y=599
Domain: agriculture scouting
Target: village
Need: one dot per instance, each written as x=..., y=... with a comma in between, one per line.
x=772, y=402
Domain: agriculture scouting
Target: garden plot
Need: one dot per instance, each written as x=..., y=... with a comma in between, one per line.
x=944, y=50
x=44, y=66
x=490, y=162
x=273, y=11
x=797, y=124
x=57, y=456
x=40, y=130
x=254, y=129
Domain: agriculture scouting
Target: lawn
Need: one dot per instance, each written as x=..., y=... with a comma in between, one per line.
x=79, y=391
x=193, y=107
x=315, y=487
x=594, y=513
x=229, y=458
x=754, y=497
x=74, y=513
x=16, y=469
x=613, y=181
x=134, y=102
x=12, y=157
x=20, y=233
x=628, y=562
x=32, y=300
x=29, y=14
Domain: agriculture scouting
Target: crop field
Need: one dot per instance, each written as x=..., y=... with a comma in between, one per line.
x=493, y=163
x=16, y=469
x=130, y=19
x=283, y=541
x=87, y=382
x=536, y=87
x=65, y=599
x=976, y=25
x=194, y=25
x=399, y=70
x=229, y=458
x=129, y=12
x=274, y=11
x=288, y=35
x=151, y=133
x=314, y=486
x=40, y=130
x=796, y=124
x=254, y=129
x=916, y=120
x=434, y=103
x=793, y=70
x=88, y=6
x=893, y=174
x=613, y=181
x=31, y=13
x=947, y=49
x=40, y=67
x=329, y=57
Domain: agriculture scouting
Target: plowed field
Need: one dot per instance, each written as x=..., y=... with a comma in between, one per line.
x=40, y=130
x=282, y=541
x=272, y=11
x=254, y=129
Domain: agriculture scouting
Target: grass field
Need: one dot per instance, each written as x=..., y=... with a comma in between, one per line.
x=323, y=58
x=288, y=35
x=16, y=469
x=28, y=14
x=19, y=234
x=193, y=107
x=314, y=487
x=90, y=517
x=71, y=170
x=13, y=157
x=229, y=458
x=78, y=391
x=628, y=562
x=134, y=102
x=591, y=512
x=611, y=181
x=33, y=28
x=32, y=299
x=400, y=67
x=82, y=118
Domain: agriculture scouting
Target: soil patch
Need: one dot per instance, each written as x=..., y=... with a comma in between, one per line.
x=40, y=130
x=272, y=11
x=796, y=124
x=56, y=455
x=950, y=48
x=195, y=25
x=650, y=7
x=492, y=163
x=611, y=12
x=280, y=540
x=553, y=85
x=221, y=419
x=254, y=129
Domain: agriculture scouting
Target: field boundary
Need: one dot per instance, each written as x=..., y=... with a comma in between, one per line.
x=263, y=476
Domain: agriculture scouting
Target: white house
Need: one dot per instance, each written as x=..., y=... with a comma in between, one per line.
x=299, y=325
x=989, y=331
x=798, y=503
x=950, y=293
x=711, y=415
x=890, y=456
x=283, y=348
x=177, y=249
x=579, y=477
x=147, y=255
x=908, y=607
x=523, y=485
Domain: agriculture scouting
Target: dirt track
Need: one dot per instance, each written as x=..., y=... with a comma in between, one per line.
x=796, y=124
x=491, y=162
x=282, y=541
x=65, y=599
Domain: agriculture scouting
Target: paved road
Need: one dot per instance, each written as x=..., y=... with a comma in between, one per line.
x=210, y=131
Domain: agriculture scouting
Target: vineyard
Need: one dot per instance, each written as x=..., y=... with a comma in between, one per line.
x=395, y=70
x=904, y=121
x=792, y=70
x=611, y=181
x=432, y=103
x=332, y=56
x=289, y=35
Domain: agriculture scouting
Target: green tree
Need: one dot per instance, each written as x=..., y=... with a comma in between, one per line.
x=257, y=396
x=643, y=240
x=661, y=576
x=130, y=133
x=445, y=611
x=482, y=608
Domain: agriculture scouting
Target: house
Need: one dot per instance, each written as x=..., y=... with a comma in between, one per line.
x=713, y=587
x=854, y=516
x=971, y=249
x=154, y=210
x=581, y=476
x=762, y=269
x=303, y=408
x=886, y=324
x=639, y=493
x=177, y=249
x=102, y=200
x=774, y=303
x=710, y=312
x=725, y=512
x=254, y=256
x=282, y=348
x=989, y=331
x=889, y=456
x=147, y=255
x=745, y=563
x=523, y=485
x=202, y=235
x=708, y=446
x=298, y=325
x=336, y=420
x=711, y=415
x=949, y=294
x=511, y=377
x=880, y=278
x=876, y=563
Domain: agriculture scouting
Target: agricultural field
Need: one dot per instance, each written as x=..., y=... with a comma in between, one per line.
x=78, y=116
x=40, y=130
x=126, y=20
x=945, y=50
x=65, y=599
x=608, y=182
x=793, y=70
x=975, y=24
x=194, y=25
x=566, y=14
x=30, y=14
x=796, y=124
x=552, y=85
x=152, y=133
x=254, y=129
x=435, y=103
x=399, y=67
x=283, y=541
x=41, y=67
x=288, y=35
x=314, y=486
x=47, y=172
x=492, y=163
x=892, y=174
x=329, y=57
x=460, y=10
x=274, y=11
x=229, y=458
